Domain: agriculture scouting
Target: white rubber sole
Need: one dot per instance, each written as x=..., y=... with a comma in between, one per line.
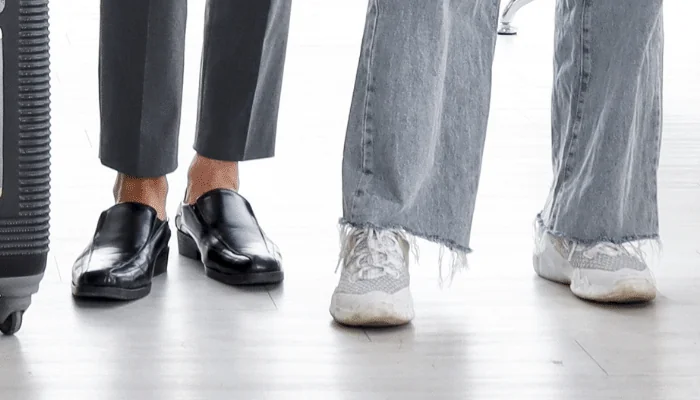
x=623, y=286
x=374, y=309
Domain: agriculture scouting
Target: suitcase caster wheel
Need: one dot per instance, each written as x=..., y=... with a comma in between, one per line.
x=12, y=323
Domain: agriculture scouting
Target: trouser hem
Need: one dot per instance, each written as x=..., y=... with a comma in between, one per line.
x=548, y=227
x=151, y=171
x=215, y=152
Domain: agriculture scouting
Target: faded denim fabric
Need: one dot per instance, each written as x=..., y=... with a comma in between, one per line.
x=419, y=115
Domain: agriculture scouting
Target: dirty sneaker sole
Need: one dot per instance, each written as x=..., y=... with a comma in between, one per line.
x=622, y=286
x=374, y=309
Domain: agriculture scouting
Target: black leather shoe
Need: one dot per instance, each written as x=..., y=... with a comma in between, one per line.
x=221, y=231
x=129, y=248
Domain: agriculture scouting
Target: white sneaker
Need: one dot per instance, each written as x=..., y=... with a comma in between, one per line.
x=605, y=272
x=374, y=282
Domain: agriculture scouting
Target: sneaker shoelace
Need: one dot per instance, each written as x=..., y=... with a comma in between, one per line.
x=606, y=249
x=375, y=254
x=591, y=252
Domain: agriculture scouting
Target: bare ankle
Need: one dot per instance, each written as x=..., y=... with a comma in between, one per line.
x=152, y=192
x=206, y=174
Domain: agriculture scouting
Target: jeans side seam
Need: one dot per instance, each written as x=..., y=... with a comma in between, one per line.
x=658, y=118
x=497, y=12
x=584, y=79
x=582, y=89
x=367, y=137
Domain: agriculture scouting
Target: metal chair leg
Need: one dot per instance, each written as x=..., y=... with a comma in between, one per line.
x=506, y=26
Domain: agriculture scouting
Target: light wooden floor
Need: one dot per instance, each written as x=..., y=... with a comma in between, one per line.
x=497, y=333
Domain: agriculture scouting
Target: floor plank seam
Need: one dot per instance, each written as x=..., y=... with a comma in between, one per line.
x=274, y=303
x=592, y=358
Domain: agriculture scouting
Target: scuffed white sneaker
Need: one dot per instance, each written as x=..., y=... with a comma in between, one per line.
x=606, y=272
x=374, y=282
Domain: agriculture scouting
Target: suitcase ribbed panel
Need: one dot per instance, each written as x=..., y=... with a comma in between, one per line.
x=28, y=232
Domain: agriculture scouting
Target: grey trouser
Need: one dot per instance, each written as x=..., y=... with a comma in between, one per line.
x=419, y=115
x=142, y=53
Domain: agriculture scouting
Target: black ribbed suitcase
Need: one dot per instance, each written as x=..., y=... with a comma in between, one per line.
x=24, y=155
